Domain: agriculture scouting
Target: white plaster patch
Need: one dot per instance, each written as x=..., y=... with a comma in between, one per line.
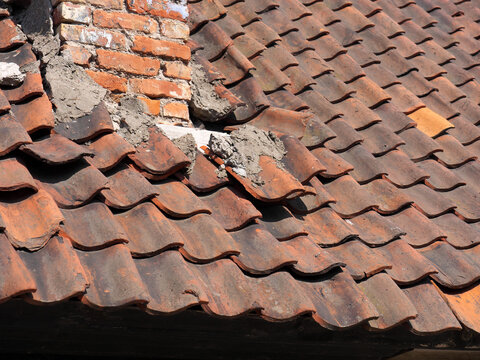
x=202, y=137
x=10, y=74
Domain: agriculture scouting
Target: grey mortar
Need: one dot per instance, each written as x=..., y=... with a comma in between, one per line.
x=187, y=144
x=243, y=148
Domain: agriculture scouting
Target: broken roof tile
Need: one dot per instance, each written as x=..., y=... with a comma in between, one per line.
x=203, y=176
x=11, y=35
x=31, y=86
x=13, y=134
x=30, y=220
x=92, y=227
x=56, y=150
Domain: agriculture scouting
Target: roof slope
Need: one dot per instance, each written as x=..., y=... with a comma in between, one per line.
x=374, y=220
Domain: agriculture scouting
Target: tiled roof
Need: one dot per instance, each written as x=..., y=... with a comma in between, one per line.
x=374, y=219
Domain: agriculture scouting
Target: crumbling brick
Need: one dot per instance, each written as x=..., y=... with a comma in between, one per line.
x=174, y=29
x=152, y=107
x=176, y=110
x=129, y=63
x=79, y=55
x=109, y=81
x=177, y=70
x=163, y=48
x=162, y=8
x=72, y=13
x=98, y=37
x=119, y=20
x=160, y=88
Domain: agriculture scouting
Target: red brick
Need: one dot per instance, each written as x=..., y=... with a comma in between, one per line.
x=160, y=88
x=174, y=29
x=67, y=12
x=177, y=110
x=109, y=81
x=177, y=70
x=163, y=48
x=91, y=36
x=77, y=54
x=162, y=8
x=121, y=20
x=108, y=4
x=151, y=107
x=129, y=63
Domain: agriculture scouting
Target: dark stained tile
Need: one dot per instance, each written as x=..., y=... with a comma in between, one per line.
x=408, y=265
x=357, y=115
x=127, y=188
x=92, y=227
x=361, y=260
x=440, y=178
x=453, y=154
x=269, y=77
x=234, y=65
x=21, y=56
x=388, y=197
x=326, y=228
x=469, y=173
x=381, y=76
x=392, y=304
x=230, y=208
x=29, y=220
x=159, y=155
x=262, y=33
x=417, y=84
x=148, y=230
x=434, y=315
x=467, y=202
x=420, y=231
x=299, y=80
x=4, y=104
x=14, y=176
x=311, y=27
x=339, y=302
x=56, y=270
x=56, y=150
x=316, y=133
x=13, y=134
x=249, y=92
x=464, y=131
x=375, y=229
x=403, y=99
x=333, y=89
x=231, y=27
x=327, y=47
x=393, y=118
x=170, y=294
x=281, y=223
x=19, y=280
x=418, y=146
x=114, y=280
x=203, y=176
x=71, y=185
x=449, y=91
x=459, y=233
x=108, y=151
x=286, y=100
x=260, y=252
x=320, y=105
x=344, y=35
x=169, y=191
x=205, y=240
x=346, y=136
x=312, y=259
x=456, y=269
x=213, y=40
x=334, y=163
x=401, y=171
x=11, y=35
x=379, y=139
x=428, y=201
x=351, y=203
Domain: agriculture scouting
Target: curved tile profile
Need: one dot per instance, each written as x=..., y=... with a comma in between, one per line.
x=401, y=171
x=228, y=290
x=361, y=261
x=87, y=127
x=13, y=134
x=108, y=151
x=259, y=251
x=19, y=280
x=71, y=185
x=454, y=154
x=312, y=259
x=169, y=191
x=467, y=202
x=114, y=280
x=379, y=139
x=408, y=265
x=354, y=202
x=440, y=178
x=326, y=228
x=32, y=86
x=35, y=115
x=392, y=304
x=56, y=270
x=230, y=208
x=14, y=176
x=429, y=122
x=126, y=188
x=375, y=229
x=203, y=176
x=280, y=297
x=172, y=283
x=205, y=240
x=456, y=268
x=56, y=150
x=336, y=165
x=420, y=231
x=280, y=222
x=388, y=197
x=365, y=166
x=428, y=201
x=159, y=156
x=313, y=200
x=92, y=227
x=148, y=230
x=458, y=233
x=418, y=146
x=339, y=302
x=434, y=315
x=464, y=303
x=30, y=220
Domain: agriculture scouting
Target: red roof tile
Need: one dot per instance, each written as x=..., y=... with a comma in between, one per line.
x=373, y=217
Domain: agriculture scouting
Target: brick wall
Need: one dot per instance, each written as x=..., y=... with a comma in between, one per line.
x=131, y=47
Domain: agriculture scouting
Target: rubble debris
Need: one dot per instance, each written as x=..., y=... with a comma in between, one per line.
x=187, y=144
x=10, y=74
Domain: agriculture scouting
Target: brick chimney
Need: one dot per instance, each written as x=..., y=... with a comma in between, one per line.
x=134, y=47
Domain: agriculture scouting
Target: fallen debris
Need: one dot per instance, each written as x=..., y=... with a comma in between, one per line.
x=187, y=144
x=10, y=74
x=243, y=148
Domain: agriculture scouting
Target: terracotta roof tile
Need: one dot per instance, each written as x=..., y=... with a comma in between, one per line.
x=14, y=176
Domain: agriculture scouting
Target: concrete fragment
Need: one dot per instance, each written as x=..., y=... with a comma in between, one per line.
x=187, y=144
x=205, y=103
x=10, y=74
x=243, y=148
